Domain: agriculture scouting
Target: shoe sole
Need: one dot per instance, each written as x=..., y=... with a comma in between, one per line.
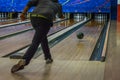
x=17, y=67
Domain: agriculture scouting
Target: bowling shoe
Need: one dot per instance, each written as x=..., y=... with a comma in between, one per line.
x=18, y=66
x=49, y=61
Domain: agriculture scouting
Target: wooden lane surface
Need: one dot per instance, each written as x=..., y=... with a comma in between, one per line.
x=11, y=44
x=112, y=66
x=10, y=21
x=15, y=28
x=3, y=22
x=118, y=33
x=70, y=60
x=72, y=48
x=58, y=70
x=21, y=27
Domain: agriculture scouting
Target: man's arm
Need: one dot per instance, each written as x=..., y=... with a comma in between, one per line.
x=23, y=15
x=27, y=7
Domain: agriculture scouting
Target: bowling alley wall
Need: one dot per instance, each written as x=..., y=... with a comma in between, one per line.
x=118, y=11
x=114, y=9
x=69, y=6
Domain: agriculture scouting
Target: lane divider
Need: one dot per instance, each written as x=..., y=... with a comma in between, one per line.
x=103, y=56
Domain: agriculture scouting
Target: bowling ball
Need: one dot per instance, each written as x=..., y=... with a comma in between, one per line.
x=80, y=35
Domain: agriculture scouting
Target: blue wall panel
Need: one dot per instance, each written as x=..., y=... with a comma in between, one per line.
x=113, y=9
x=68, y=5
x=90, y=6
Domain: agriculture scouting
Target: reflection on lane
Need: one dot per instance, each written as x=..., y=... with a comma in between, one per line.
x=13, y=29
x=27, y=26
x=72, y=48
x=9, y=21
x=91, y=30
x=62, y=25
x=21, y=40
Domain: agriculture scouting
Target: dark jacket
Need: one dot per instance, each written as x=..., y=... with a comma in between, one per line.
x=46, y=8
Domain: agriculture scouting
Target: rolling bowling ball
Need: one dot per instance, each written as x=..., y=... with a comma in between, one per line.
x=80, y=35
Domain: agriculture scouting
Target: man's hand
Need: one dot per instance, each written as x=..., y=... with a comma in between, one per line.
x=22, y=17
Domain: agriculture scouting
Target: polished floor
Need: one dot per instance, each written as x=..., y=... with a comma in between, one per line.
x=9, y=45
x=71, y=59
x=112, y=66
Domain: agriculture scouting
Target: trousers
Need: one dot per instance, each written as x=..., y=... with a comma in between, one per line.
x=42, y=27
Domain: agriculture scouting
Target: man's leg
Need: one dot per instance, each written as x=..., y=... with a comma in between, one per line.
x=46, y=50
x=39, y=35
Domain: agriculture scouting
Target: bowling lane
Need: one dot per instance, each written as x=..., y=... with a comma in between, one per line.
x=58, y=70
x=62, y=25
x=72, y=48
x=112, y=64
x=118, y=33
x=11, y=44
x=16, y=28
x=9, y=21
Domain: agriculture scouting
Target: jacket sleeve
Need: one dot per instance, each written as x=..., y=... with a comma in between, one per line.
x=32, y=3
